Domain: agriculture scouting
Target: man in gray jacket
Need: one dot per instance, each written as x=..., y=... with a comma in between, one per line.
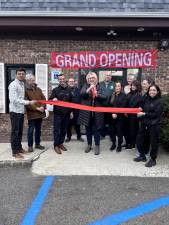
x=108, y=88
x=16, y=108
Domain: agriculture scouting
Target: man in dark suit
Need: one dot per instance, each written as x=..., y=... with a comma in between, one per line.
x=76, y=98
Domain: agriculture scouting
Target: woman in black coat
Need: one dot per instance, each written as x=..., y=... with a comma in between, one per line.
x=151, y=114
x=134, y=101
x=92, y=95
x=118, y=99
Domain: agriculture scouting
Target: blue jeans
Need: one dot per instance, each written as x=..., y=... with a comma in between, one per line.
x=34, y=124
x=60, y=123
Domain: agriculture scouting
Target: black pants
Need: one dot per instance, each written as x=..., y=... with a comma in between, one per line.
x=133, y=129
x=126, y=130
x=106, y=130
x=34, y=125
x=151, y=134
x=73, y=123
x=117, y=130
x=17, y=120
x=60, y=123
x=91, y=130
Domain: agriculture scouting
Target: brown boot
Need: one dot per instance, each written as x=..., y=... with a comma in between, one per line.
x=18, y=156
x=57, y=150
x=23, y=151
x=62, y=147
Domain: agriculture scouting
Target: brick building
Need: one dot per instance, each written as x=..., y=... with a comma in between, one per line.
x=31, y=30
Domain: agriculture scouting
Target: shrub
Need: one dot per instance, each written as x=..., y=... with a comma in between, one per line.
x=165, y=123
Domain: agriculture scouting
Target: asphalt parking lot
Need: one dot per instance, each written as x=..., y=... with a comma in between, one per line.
x=79, y=200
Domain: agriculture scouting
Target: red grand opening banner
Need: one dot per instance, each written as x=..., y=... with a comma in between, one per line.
x=106, y=59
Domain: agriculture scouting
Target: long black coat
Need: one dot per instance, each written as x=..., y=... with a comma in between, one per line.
x=86, y=99
x=76, y=98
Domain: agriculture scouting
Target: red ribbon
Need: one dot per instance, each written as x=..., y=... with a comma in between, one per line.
x=94, y=92
x=91, y=108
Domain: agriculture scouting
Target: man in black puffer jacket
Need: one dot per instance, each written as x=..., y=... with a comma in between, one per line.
x=61, y=114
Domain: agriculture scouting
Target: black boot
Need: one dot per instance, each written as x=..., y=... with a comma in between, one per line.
x=150, y=163
x=128, y=146
x=112, y=147
x=88, y=148
x=80, y=139
x=140, y=158
x=118, y=149
x=67, y=139
x=40, y=147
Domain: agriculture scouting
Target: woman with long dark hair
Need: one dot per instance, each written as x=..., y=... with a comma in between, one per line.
x=134, y=101
x=151, y=114
x=118, y=99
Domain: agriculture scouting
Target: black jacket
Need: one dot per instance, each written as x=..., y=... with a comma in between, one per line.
x=134, y=99
x=76, y=98
x=153, y=108
x=62, y=94
x=119, y=101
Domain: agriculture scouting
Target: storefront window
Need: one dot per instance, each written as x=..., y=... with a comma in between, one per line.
x=135, y=72
x=117, y=75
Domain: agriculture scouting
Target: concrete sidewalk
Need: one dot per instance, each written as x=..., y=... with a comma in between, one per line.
x=76, y=162
x=7, y=160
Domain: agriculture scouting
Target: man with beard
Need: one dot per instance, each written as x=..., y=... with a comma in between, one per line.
x=61, y=114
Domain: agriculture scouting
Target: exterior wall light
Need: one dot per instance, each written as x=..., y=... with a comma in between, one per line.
x=78, y=28
x=111, y=32
x=163, y=45
x=140, y=29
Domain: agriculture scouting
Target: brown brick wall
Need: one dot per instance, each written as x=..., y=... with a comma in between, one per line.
x=26, y=51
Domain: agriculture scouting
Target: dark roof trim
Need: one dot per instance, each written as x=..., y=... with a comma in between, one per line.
x=84, y=22
x=7, y=22
x=84, y=14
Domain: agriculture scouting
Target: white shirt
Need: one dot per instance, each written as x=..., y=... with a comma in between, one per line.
x=16, y=97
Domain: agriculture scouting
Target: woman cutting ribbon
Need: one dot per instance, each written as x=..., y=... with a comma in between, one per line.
x=92, y=95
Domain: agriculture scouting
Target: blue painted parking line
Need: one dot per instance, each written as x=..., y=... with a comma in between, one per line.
x=34, y=210
x=126, y=215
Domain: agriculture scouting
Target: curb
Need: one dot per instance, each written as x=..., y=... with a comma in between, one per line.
x=20, y=164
